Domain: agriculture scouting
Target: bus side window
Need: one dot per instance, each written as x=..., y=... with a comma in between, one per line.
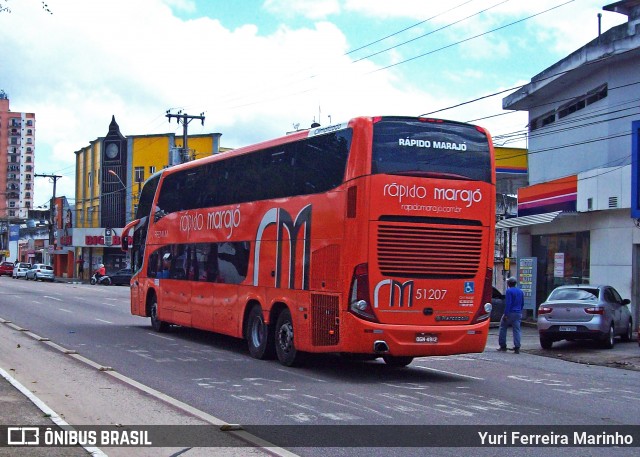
x=152, y=267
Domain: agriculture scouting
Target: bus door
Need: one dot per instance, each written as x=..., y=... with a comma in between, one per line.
x=175, y=287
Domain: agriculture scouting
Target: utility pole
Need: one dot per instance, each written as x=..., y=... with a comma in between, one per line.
x=53, y=200
x=185, y=119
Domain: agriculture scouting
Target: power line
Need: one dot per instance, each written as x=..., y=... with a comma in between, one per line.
x=433, y=31
x=472, y=37
x=407, y=28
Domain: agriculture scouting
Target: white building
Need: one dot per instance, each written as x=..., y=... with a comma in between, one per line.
x=575, y=217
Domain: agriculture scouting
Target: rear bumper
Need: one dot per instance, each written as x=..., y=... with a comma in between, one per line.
x=360, y=337
x=582, y=332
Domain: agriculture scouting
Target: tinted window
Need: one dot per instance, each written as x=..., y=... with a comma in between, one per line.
x=616, y=295
x=146, y=197
x=225, y=262
x=314, y=165
x=438, y=149
x=574, y=294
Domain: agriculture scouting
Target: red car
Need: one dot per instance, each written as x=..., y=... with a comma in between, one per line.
x=6, y=268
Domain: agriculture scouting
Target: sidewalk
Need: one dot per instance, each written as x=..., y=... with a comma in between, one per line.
x=42, y=384
x=623, y=355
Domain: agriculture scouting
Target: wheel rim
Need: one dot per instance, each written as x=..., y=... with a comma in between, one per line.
x=154, y=312
x=611, y=336
x=285, y=337
x=257, y=331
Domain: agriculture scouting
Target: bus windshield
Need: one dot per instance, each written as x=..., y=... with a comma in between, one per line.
x=413, y=147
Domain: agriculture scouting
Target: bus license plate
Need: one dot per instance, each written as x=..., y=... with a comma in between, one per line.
x=429, y=338
x=568, y=328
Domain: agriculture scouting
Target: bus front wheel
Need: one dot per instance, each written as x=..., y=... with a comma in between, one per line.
x=157, y=324
x=259, y=335
x=286, y=351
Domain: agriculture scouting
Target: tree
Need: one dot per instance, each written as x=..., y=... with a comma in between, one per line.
x=4, y=6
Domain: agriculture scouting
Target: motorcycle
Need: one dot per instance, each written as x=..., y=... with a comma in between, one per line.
x=104, y=280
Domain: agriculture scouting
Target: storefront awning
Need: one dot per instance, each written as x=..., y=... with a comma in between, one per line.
x=528, y=220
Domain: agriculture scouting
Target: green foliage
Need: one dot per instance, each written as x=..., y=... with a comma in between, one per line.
x=4, y=7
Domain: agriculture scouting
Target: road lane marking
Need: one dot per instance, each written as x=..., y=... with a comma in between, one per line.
x=52, y=298
x=160, y=336
x=102, y=320
x=291, y=373
x=65, y=310
x=448, y=372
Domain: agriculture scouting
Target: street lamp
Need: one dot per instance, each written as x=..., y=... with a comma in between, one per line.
x=111, y=172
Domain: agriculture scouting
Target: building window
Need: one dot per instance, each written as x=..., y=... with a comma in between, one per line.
x=29, y=132
x=27, y=205
x=139, y=174
x=12, y=213
x=571, y=107
x=576, y=267
x=152, y=170
x=12, y=204
x=30, y=123
x=89, y=180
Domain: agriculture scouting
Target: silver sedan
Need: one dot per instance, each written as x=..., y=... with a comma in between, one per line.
x=584, y=312
x=40, y=271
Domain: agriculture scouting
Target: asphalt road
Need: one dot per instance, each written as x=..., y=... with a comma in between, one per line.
x=215, y=374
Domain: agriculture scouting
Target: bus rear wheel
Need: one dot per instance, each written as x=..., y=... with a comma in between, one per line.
x=259, y=335
x=286, y=351
x=157, y=324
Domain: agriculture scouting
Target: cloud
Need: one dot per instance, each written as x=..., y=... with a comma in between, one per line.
x=136, y=59
x=311, y=9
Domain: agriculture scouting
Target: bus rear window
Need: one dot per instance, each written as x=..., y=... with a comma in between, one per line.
x=449, y=150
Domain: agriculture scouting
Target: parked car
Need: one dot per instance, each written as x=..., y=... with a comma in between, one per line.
x=497, y=305
x=40, y=271
x=121, y=277
x=20, y=270
x=584, y=312
x=6, y=268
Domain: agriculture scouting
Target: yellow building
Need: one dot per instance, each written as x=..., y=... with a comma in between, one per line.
x=110, y=172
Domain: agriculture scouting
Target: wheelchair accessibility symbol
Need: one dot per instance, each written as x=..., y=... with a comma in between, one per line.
x=469, y=287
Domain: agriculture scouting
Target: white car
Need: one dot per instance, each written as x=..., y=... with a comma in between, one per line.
x=20, y=270
x=40, y=271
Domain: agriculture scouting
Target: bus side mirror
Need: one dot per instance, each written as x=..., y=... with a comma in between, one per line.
x=125, y=243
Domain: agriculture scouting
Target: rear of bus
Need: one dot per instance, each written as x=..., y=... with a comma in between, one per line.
x=419, y=233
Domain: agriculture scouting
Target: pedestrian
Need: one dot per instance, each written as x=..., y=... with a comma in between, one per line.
x=514, y=302
x=80, y=263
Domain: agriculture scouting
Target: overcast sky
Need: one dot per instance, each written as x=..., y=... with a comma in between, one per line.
x=257, y=68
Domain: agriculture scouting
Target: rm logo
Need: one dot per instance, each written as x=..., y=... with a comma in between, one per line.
x=395, y=286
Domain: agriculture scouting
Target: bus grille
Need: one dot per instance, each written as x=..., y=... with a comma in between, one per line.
x=429, y=252
x=325, y=320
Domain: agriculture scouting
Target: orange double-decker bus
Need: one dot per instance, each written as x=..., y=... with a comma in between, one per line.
x=372, y=237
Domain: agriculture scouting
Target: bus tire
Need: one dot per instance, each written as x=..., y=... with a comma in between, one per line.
x=158, y=325
x=259, y=335
x=397, y=361
x=286, y=351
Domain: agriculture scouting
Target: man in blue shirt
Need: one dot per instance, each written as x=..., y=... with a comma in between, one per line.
x=514, y=302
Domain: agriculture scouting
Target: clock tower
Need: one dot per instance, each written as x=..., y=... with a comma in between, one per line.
x=113, y=170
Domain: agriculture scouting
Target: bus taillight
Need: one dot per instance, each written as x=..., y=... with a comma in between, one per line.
x=484, y=310
x=359, y=298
